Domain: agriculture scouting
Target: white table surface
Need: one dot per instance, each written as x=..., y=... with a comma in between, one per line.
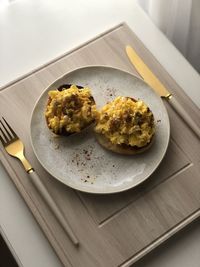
x=32, y=32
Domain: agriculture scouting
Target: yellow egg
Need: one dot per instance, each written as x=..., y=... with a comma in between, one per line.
x=70, y=110
x=126, y=121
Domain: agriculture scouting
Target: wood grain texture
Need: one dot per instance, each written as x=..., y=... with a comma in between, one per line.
x=116, y=202
x=114, y=230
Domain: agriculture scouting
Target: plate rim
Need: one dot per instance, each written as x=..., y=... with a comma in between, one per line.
x=85, y=188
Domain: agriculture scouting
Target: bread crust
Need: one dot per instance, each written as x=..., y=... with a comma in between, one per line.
x=123, y=148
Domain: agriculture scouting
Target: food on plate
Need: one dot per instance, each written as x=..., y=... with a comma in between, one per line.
x=70, y=109
x=125, y=126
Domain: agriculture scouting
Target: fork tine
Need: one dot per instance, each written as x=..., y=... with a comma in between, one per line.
x=14, y=134
x=2, y=140
x=4, y=136
x=9, y=135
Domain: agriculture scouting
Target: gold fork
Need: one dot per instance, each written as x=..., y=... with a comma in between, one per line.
x=14, y=147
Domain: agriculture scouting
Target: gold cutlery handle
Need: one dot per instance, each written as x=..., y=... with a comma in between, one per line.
x=52, y=205
x=184, y=115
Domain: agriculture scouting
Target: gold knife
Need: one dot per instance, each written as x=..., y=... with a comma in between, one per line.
x=150, y=78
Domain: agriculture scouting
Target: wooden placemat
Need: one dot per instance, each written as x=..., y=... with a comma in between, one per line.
x=118, y=229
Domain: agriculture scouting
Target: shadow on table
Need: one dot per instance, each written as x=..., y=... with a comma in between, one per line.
x=6, y=257
x=168, y=249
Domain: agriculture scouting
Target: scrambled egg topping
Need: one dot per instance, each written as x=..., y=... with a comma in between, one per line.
x=72, y=109
x=126, y=121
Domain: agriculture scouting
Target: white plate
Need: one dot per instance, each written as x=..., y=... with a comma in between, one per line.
x=78, y=160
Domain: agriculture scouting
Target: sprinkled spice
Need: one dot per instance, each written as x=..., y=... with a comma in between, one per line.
x=110, y=92
x=82, y=159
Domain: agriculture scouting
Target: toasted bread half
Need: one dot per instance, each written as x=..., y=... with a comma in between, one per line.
x=63, y=131
x=123, y=148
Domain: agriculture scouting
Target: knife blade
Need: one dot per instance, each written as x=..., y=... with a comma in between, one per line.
x=150, y=78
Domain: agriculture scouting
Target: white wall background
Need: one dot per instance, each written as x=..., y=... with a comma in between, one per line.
x=180, y=22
